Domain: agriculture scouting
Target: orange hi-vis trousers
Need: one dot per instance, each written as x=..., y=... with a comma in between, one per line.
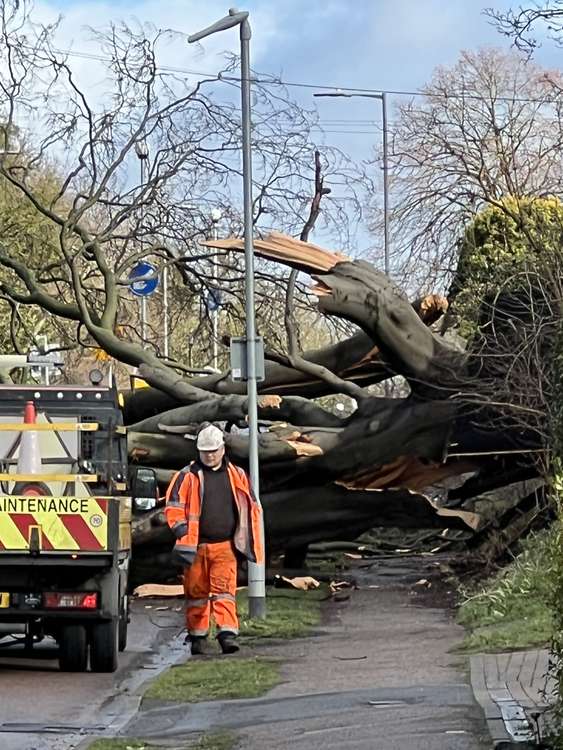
x=210, y=584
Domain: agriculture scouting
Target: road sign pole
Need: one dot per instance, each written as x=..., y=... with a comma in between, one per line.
x=215, y=312
x=143, y=319
x=165, y=310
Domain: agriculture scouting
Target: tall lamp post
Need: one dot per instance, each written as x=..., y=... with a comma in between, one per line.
x=256, y=573
x=383, y=99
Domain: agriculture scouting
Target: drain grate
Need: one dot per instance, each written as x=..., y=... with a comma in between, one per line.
x=516, y=721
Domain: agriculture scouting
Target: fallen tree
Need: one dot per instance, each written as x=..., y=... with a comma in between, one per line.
x=412, y=462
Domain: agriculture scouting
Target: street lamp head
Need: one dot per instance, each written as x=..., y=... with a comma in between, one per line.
x=346, y=95
x=142, y=149
x=233, y=19
x=333, y=93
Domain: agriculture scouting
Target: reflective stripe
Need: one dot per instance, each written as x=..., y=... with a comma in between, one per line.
x=230, y=597
x=200, y=477
x=184, y=553
x=180, y=529
x=174, y=496
x=197, y=602
x=185, y=548
x=193, y=516
x=199, y=633
x=227, y=629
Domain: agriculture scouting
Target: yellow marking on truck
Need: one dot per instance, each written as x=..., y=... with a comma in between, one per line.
x=55, y=530
x=10, y=535
x=87, y=478
x=49, y=427
x=72, y=524
x=92, y=516
x=4, y=600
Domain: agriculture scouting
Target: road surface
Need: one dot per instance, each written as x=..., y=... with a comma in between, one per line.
x=45, y=709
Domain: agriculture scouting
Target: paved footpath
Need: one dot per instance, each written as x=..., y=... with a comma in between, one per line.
x=378, y=675
x=513, y=690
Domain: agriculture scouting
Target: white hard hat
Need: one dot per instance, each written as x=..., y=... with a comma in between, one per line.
x=210, y=439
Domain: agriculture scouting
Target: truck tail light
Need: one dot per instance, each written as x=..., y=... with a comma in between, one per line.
x=64, y=600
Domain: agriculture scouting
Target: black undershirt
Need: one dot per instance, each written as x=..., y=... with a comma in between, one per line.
x=218, y=520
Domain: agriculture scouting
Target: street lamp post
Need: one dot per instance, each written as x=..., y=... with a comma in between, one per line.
x=256, y=573
x=383, y=99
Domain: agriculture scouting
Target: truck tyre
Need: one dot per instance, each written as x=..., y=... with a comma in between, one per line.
x=73, y=648
x=123, y=622
x=104, y=644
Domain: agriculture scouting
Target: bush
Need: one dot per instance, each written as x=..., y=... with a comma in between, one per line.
x=514, y=608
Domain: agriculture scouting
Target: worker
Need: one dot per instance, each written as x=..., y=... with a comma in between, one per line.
x=214, y=517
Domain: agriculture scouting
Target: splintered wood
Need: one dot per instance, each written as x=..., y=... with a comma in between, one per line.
x=287, y=250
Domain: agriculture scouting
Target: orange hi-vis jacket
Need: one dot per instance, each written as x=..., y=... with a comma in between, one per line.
x=183, y=510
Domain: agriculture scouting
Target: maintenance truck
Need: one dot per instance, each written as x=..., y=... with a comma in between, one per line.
x=65, y=521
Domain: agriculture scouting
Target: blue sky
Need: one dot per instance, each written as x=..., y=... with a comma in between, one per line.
x=377, y=44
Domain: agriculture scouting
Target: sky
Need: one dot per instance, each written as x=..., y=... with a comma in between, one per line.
x=373, y=44
x=389, y=45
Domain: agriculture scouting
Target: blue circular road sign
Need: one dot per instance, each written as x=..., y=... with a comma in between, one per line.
x=214, y=299
x=140, y=285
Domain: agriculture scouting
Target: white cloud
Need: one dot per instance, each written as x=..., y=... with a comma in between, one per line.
x=182, y=16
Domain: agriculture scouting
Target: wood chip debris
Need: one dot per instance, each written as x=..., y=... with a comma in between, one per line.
x=338, y=586
x=424, y=582
x=158, y=590
x=303, y=583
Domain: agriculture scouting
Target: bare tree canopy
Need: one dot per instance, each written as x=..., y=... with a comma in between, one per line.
x=522, y=24
x=488, y=127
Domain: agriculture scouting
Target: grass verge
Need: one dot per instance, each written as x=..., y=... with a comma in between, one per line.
x=290, y=613
x=215, y=679
x=511, y=610
x=215, y=741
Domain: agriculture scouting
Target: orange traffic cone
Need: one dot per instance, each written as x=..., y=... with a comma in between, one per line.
x=29, y=459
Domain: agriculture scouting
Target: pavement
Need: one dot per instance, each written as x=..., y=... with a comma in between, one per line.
x=514, y=690
x=379, y=673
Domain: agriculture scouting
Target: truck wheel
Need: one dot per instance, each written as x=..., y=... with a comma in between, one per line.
x=104, y=644
x=123, y=622
x=73, y=649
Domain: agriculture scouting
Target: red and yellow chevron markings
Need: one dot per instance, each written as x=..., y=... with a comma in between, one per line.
x=69, y=524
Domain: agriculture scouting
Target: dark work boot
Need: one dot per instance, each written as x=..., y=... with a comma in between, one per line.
x=198, y=644
x=228, y=643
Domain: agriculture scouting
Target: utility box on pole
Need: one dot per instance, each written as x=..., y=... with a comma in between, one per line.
x=239, y=359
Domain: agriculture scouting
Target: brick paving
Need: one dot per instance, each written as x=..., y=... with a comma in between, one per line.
x=514, y=691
